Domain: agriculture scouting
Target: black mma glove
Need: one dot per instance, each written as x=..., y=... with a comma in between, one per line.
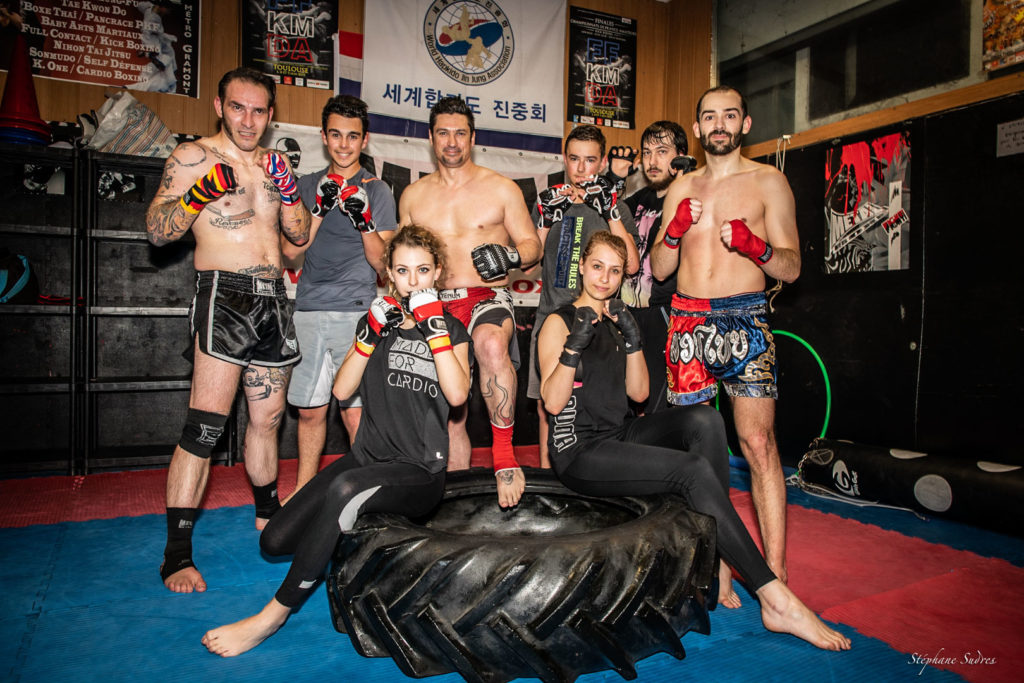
x=626, y=323
x=620, y=153
x=551, y=206
x=600, y=195
x=493, y=261
x=580, y=336
x=684, y=164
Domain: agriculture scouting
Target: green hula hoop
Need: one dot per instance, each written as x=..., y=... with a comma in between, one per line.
x=824, y=374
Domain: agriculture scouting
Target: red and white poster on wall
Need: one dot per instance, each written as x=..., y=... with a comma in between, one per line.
x=867, y=205
x=146, y=45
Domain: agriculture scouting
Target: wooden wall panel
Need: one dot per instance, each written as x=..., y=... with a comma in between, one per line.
x=673, y=55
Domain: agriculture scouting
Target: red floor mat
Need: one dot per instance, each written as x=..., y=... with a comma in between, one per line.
x=921, y=598
x=50, y=500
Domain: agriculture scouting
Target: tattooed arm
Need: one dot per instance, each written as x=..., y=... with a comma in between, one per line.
x=167, y=218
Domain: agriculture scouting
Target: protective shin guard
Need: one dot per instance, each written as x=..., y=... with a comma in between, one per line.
x=502, y=454
x=178, y=551
x=266, y=500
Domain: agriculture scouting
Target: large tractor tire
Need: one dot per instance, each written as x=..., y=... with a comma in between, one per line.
x=560, y=586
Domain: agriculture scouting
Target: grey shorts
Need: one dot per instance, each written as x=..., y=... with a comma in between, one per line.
x=324, y=337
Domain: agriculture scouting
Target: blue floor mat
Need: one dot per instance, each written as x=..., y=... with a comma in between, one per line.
x=83, y=602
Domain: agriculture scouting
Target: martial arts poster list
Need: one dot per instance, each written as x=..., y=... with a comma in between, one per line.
x=1002, y=33
x=602, y=70
x=148, y=45
x=291, y=40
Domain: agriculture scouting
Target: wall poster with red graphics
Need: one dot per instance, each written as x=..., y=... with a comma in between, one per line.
x=291, y=40
x=867, y=205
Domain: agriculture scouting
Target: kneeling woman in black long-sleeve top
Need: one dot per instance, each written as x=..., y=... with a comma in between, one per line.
x=589, y=363
x=410, y=362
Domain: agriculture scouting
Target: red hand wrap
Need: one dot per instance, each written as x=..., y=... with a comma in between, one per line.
x=679, y=224
x=749, y=244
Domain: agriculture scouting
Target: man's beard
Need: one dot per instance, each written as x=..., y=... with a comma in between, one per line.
x=661, y=183
x=735, y=142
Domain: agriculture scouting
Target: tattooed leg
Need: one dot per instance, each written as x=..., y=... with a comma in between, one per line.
x=265, y=392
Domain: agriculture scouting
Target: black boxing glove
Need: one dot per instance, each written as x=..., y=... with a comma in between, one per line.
x=626, y=323
x=580, y=336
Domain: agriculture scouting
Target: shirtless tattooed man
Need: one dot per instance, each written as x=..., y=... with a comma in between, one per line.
x=237, y=198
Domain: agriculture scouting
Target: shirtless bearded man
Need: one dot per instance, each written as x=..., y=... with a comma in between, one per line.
x=237, y=198
x=482, y=219
x=734, y=222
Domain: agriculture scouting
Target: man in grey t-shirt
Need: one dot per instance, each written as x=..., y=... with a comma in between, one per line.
x=351, y=209
x=566, y=216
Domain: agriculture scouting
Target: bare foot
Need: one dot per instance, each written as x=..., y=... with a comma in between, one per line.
x=186, y=580
x=234, y=639
x=783, y=612
x=727, y=597
x=511, y=484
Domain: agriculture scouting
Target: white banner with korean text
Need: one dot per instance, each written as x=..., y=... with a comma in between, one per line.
x=504, y=58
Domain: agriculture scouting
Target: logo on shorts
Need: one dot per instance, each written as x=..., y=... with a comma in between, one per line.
x=470, y=42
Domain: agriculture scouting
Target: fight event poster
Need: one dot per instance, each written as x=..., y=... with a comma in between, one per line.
x=1002, y=33
x=147, y=45
x=602, y=68
x=867, y=205
x=291, y=40
x=503, y=57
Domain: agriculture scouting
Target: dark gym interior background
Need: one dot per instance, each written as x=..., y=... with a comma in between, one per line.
x=924, y=358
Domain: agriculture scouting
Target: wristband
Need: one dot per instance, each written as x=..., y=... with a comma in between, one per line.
x=571, y=360
x=749, y=244
x=440, y=344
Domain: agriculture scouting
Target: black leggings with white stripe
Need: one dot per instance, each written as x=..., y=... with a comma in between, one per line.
x=309, y=525
x=681, y=450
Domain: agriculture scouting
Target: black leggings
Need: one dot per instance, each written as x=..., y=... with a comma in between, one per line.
x=680, y=450
x=309, y=525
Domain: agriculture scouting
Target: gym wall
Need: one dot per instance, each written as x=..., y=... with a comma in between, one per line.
x=924, y=358
x=673, y=46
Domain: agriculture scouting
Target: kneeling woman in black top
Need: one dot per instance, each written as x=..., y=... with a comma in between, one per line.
x=589, y=363
x=410, y=362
